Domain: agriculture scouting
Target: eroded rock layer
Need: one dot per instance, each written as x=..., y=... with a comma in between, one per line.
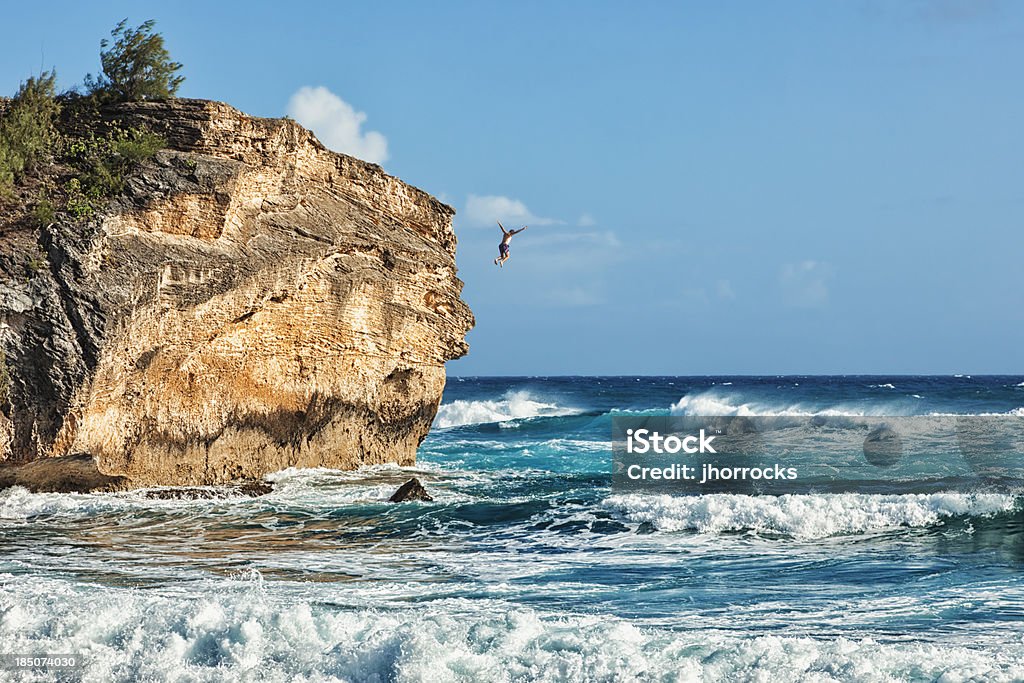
x=253, y=301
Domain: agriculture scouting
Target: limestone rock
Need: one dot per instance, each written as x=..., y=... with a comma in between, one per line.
x=68, y=474
x=252, y=301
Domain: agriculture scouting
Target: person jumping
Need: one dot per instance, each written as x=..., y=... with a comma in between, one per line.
x=503, y=249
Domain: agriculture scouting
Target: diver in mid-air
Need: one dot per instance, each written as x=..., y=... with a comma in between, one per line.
x=503, y=250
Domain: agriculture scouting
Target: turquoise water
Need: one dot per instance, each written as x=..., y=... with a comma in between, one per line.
x=526, y=566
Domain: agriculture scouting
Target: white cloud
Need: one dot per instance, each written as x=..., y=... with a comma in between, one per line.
x=559, y=250
x=586, y=221
x=337, y=124
x=805, y=284
x=483, y=211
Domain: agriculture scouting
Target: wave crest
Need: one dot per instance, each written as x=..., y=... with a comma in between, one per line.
x=247, y=629
x=722, y=403
x=805, y=515
x=513, y=405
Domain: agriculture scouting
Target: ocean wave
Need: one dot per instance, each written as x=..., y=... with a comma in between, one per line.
x=723, y=403
x=805, y=515
x=714, y=402
x=297, y=489
x=513, y=405
x=247, y=629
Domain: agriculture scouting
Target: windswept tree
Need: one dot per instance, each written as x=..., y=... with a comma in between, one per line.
x=27, y=133
x=136, y=66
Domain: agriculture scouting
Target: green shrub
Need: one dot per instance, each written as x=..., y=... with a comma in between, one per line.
x=27, y=132
x=43, y=211
x=103, y=165
x=134, y=146
x=136, y=66
x=77, y=204
x=36, y=263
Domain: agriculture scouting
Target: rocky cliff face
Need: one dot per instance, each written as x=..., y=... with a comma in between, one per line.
x=252, y=301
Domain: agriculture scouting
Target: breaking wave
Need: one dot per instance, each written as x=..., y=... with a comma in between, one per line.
x=252, y=631
x=805, y=515
x=513, y=405
x=718, y=403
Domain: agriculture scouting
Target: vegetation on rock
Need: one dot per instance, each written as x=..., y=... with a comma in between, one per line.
x=27, y=133
x=136, y=66
x=62, y=149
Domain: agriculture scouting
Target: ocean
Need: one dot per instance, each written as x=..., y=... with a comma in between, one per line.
x=528, y=566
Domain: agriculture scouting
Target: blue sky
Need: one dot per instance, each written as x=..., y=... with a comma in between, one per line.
x=712, y=188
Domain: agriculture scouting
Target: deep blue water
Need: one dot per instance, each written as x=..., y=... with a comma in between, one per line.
x=527, y=566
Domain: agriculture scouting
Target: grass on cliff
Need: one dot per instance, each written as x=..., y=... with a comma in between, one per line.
x=103, y=164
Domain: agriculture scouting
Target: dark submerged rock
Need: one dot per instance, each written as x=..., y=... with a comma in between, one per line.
x=410, y=490
x=252, y=488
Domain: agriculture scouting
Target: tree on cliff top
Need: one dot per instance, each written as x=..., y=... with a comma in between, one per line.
x=136, y=66
x=27, y=133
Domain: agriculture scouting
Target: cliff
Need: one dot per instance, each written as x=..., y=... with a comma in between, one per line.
x=251, y=301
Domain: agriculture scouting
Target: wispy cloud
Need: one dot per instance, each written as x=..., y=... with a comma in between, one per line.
x=337, y=124
x=725, y=290
x=560, y=250
x=805, y=284
x=484, y=210
x=586, y=221
x=573, y=297
x=602, y=239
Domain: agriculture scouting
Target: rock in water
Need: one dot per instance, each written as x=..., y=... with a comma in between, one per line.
x=67, y=474
x=410, y=490
x=252, y=301
x=251, y=488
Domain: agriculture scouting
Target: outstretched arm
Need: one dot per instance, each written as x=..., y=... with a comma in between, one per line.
x=503, y=230
x=519, y=230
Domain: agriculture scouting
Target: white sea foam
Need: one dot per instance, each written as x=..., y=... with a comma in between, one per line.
x=250, y=630
x=513, y=405
x=882, y=386
x=311, y=489
x=714, y=402
x=804, y=515
x=721, y=403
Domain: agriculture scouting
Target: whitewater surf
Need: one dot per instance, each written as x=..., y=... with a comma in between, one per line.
x=527, y=566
